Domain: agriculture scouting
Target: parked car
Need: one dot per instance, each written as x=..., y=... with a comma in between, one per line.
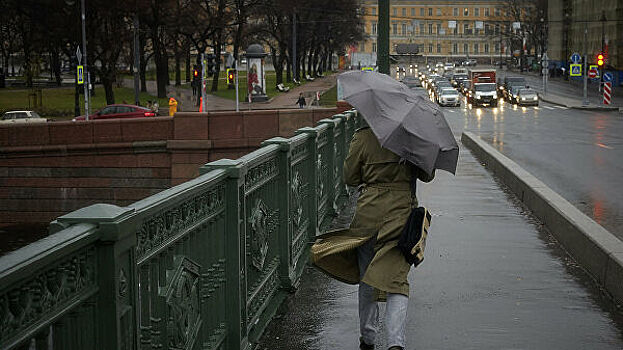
x=449, y=97
x=13, y=117
x=119, y=111
x=527, y=97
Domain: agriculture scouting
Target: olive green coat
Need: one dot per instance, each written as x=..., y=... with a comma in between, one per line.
x=382, y=209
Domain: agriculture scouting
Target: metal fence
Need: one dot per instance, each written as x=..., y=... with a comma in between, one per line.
x=203, y=265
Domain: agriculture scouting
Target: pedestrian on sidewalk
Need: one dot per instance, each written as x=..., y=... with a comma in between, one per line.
x=376, y=263
x=301, y=101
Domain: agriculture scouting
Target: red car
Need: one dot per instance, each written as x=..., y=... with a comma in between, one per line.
x=120, y=111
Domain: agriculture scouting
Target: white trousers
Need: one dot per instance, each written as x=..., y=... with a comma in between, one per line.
x=395, y=311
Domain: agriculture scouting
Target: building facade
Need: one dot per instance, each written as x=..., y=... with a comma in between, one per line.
x=444, y=29
x=603, y=21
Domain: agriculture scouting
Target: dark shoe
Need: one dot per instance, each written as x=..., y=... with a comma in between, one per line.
x=364, y=346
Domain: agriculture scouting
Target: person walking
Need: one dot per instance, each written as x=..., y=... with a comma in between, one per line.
x=301, y=101
x=413, y=131
x=375, y=262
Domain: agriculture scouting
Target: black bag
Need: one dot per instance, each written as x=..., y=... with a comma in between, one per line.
x=413, y=238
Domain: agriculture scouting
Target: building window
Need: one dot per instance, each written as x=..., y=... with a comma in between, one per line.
x=374, y=11
x=455, y=48
x=421, y=28
x=430, y=48
x=497, y=47
x=497, y=12
x=466, y=12
x=404, y=29
x=438, y=28
x=497, y=29
x=465, y=48
x=373, y=47
x=486, y=12
x=395, y=28
x=475, y=48
x=404, y=12
x=455, y=12
x=395, y=11
x=438, y=12
x=413, y=11
x=477, y=12
x=466, y=29
x=486, y=48
x=438, y=48
x=430, y=11
x=373, y=28
x=422, y=11
x=430, y=28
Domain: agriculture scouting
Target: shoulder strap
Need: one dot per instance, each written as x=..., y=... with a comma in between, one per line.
x=414, y=170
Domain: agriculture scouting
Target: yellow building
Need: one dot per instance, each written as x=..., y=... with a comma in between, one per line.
x=443, y=29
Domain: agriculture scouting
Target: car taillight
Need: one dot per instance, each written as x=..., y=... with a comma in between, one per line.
x=150, y=114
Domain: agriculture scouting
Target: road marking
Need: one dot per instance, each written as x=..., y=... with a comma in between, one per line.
x=603, y=146
x=548, y=107
x=561, y=107
x=451, y=111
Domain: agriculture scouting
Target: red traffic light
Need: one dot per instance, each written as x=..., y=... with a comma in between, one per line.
x=600, y=59
x=195, y=73
x=231, y=76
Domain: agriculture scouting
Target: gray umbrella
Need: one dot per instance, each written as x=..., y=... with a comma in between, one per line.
x=404, y=122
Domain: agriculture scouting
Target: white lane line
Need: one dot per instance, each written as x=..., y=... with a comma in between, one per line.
x=548, y=107
x=561, y=107
x=603, y=146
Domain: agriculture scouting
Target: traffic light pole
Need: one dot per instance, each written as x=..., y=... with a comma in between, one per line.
x=204, y=78
x=585, y=101
x=85, y=71
x=237, y=98
x=382, y=56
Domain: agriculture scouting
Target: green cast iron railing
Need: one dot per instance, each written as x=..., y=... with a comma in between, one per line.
x=203, y=265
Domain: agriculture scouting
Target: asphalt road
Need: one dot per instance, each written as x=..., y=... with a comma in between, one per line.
x=579, y=154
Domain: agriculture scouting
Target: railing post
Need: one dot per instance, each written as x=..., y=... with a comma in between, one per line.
x=235, y=246
x=332, y=163
x=116, y=274
x=287, y=274
x=343, y=142
x=312, y=138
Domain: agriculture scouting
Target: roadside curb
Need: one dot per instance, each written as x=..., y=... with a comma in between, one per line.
x=597, y=250
x=584, y=108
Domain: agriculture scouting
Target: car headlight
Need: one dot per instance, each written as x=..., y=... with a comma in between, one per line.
x=523, y=98
x=495, y=96
x=536, y=98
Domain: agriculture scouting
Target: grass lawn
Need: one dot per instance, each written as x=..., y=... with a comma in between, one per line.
x=329, y=98
x=58, y=103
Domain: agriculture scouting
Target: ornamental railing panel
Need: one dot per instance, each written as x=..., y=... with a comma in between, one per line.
x=203, y=265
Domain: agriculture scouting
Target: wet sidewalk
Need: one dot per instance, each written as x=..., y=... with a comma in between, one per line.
x=491, y=279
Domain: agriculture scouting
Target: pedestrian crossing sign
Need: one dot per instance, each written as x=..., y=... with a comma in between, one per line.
x=576, y=70
x=80, y=75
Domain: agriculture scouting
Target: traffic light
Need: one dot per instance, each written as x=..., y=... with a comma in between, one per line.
x=231, y=76
x=601, y=59
x=211, y=64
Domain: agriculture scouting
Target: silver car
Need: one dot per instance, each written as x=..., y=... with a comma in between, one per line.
x=14, y=117
x=449, y=97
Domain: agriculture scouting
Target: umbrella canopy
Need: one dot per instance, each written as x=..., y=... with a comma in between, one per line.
x=404, y=122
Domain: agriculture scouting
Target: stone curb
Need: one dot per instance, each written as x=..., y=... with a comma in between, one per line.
x=584, y=108
x=597, y=250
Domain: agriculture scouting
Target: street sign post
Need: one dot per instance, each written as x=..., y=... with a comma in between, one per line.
x=80, y=73
x=607, y=92
x=576, y=70
x=576, y=58
x=545, y=65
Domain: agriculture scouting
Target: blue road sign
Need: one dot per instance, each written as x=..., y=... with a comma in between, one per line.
x=608, y=77
x=80, y=75
x=576, y=70
x=575, y=57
